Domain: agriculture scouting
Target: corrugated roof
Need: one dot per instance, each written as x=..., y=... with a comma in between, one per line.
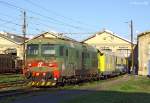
x=12, y=37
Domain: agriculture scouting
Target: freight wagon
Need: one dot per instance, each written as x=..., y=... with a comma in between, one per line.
x=10, y=64
x=110, y=64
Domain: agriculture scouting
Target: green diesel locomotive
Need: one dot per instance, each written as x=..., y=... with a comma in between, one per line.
x=50, y=61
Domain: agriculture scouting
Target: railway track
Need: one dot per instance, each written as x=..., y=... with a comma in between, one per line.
x=25, y=90
x=12, y=84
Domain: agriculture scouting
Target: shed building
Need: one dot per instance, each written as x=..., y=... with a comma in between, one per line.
x=144, y=53
x=108, y=42
x=11, y=43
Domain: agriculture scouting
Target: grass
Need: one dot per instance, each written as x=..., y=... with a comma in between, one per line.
x=134, y=84
x=111, y=97
x=11, y=78
x=135, y=89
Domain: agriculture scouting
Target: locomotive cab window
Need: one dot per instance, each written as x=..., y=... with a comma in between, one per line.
x=61, y=51
x=66, y=52
x=32, y=49
x=48, y=49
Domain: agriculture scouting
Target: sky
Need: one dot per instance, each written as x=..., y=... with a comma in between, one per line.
x=77, y=18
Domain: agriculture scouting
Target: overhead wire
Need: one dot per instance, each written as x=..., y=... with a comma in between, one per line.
x=41, y=23
x=55, y=13
x=11, y=19
x=10, y=22
x=6, y=15
x=37, y=29
x=46, y=25
x=50, y=18
x=4, y=27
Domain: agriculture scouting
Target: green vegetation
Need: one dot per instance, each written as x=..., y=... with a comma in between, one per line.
x=11, y=78
x=111, y=97
x=130, y=89
x=134, y=84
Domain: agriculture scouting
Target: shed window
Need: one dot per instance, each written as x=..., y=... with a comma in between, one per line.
x=124, y=52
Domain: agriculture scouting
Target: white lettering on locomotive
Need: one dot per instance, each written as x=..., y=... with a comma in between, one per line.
x=40, y=64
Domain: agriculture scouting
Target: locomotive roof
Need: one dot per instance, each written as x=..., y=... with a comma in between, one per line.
x=56, y=35
x=61, y=41
x=50, y=40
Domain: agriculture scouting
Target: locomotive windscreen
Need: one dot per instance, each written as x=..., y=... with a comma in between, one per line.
x=32, y=49
x=48, y=49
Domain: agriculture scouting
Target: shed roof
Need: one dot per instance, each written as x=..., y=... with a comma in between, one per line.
x=12, y=37
x=143, y=33
x=106, y=31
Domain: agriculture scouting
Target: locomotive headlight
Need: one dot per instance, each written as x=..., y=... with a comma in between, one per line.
x=37, y=74
x=53, y=64
x=50, y=65
x=55, y=78
x=44, y=74
x=29, y=65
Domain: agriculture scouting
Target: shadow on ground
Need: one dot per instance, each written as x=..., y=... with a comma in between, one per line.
x=79, y=96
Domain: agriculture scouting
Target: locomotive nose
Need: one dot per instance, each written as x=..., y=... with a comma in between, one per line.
x=46, y=75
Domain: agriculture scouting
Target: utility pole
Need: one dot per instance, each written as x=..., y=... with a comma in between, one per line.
x=24, y=38
x=132, y=51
